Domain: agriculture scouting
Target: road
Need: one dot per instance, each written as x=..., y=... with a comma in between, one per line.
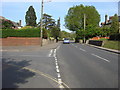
x=60, y=65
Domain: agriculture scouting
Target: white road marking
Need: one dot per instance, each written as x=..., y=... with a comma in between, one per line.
x=60, y=81
x=57, y=69
x=76, y=46
x=58, y=75
x=50, y=53
x=100, y=58
x=56, y=64
x=58, y=47
x=54, y=51
x=82, y=49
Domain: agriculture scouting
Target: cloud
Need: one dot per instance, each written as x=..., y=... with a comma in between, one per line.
x=60, y=0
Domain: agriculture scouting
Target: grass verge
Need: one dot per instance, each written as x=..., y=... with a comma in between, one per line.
x=112, y=44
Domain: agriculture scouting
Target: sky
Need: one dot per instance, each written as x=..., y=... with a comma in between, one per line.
x=16, y=10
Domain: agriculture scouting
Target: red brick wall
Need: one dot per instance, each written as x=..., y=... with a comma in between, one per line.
x=20, y=41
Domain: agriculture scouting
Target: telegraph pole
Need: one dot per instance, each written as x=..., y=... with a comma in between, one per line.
x=84, y=26
x=41, y=27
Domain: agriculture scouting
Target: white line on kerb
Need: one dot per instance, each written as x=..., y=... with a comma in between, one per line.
x=101, y=58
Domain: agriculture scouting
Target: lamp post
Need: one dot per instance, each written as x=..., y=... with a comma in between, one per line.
x=41, y=27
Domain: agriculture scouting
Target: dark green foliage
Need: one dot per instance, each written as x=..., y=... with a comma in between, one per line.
x=55, y=32
x=7, y=24
x=74, y=20
x=47, y=22
x=45, y=34
x=30, y=17
x=114, y=25
x=115, y=37
x=32, y=32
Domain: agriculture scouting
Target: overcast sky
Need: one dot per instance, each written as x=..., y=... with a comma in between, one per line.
x=15, y=11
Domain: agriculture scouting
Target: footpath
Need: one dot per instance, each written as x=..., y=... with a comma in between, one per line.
x=29, y=48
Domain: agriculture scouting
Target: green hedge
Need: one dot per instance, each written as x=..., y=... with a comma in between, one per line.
x=115, y=37
x=32, y=32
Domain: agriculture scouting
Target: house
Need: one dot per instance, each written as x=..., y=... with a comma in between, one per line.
x=108, y=22
x=15, y=25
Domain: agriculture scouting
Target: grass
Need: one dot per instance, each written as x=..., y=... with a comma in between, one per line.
x=112, y=44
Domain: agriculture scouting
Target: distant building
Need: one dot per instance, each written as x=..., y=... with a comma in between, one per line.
x=109, y=21
x=16, y=25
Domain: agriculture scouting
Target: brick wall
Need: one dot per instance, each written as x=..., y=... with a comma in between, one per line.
x=20, y=41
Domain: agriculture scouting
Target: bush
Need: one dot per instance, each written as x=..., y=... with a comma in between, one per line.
x=115, y=37
x=31, y=32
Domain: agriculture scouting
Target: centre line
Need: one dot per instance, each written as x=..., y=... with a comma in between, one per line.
x=100, y=58
x=82, y=49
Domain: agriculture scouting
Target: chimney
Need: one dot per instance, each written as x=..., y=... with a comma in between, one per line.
x=20, y=21
x=106, y=19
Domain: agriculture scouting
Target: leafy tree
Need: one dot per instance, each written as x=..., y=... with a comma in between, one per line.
x=74, y=20
x=7, y=24
x=55, y=32
x=114, y=25
x=65, y=34
x=30, y=17
x=48, y=21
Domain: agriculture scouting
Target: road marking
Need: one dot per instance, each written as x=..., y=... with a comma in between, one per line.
x=57, y=70
x=100, y=58
x=58, y=47
x=58, y=75
x=57, y=67
x=82, y=49
x=76, y=46
x=50, y=53
x=54, y=51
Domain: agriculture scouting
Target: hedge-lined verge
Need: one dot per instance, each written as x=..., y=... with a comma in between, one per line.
x=31, y=32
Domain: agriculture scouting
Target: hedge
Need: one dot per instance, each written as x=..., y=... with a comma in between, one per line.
x=31, y=32
x=115, y=37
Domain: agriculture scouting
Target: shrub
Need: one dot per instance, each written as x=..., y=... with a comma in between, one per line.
x=115, y=37
x=31, y=32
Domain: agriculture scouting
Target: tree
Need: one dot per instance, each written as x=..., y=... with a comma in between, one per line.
x=55, y=32
x=114, y=25
x=7, y=24
x=74, y=20
x=30, y=17
x=48, y=21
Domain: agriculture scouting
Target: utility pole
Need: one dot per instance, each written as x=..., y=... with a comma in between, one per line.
x=84, y=26
x=41, y=27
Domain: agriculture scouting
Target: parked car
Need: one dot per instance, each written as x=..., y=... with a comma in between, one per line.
x=66, y=41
